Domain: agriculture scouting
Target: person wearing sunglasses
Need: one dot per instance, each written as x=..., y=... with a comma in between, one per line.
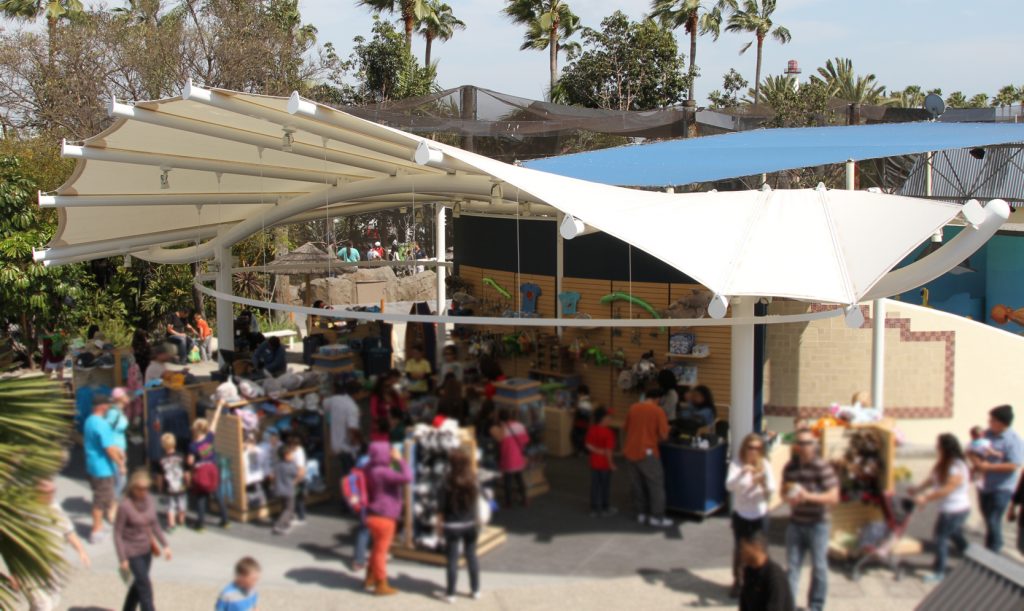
x=810, y=486
x=751, y=483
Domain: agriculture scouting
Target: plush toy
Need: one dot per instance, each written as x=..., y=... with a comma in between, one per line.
x=691, y=305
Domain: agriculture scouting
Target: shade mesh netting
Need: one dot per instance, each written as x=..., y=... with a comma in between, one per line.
x=510, y=128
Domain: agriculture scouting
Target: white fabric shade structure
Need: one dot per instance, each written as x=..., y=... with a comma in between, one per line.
x=212, y=167
x=185, y=178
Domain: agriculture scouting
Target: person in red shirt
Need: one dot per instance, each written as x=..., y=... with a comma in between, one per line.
x=600, y=442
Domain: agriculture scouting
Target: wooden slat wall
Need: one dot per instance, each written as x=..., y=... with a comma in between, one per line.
x=713, y=371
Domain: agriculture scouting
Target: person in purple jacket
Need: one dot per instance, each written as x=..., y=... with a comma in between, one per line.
x=386, y=475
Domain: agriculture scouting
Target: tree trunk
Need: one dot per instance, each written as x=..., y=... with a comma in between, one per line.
x=426, y=54
x=553, y=59
x=197, y=295
x=410, y=23
x=51, y=32
x=757, y=72
x=282, y=283
x=693, y=54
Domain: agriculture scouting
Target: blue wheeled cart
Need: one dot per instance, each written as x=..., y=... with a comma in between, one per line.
x=694, y=478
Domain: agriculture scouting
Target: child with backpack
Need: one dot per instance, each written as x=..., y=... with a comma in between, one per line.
x=353, y=489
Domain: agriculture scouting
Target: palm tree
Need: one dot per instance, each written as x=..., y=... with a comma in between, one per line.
x=694, y=18
x=911, y=97
x=775, y=90
x=439, y=24
x=956, y=99
x=978, y=100
x=411, y=12
x=1007, y=96
x=33, y=423
x=838, y=75
x=53, y=10
x=549, y=23
x=755, y=16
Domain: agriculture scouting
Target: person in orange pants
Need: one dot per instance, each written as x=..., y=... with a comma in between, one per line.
x=386, y=474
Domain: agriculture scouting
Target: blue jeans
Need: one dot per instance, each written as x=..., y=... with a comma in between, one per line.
x=362, y=543
x=600, y=490
x=813, y=538
x=948, y=526
x=993, y=508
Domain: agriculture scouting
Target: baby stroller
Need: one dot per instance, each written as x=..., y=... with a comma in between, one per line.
x=878, y=541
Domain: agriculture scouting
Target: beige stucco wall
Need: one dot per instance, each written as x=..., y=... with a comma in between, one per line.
x=943, y=372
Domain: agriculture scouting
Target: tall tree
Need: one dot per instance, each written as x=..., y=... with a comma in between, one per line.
x=439, y=24
x=626, y=65
x=912, y=96
x=755, y=17
x=410, y=11
x=695, y=18
x=549, y=24
x=53, y=10
x=956, y=99
x=35, y=423
x=1006, y=96
x=978, y=100
x=385, y=68
x=844, y=83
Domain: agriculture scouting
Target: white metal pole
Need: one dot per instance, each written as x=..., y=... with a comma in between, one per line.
x=225, y=312
x=741, y=408
x=851, y=173
x=440, y=249
x=929, y=161
x=878, y=353
x=559, y=268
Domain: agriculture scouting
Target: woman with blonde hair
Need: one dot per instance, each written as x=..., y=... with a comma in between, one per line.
x=751, y=483
x=202, y=460
x=136, y=534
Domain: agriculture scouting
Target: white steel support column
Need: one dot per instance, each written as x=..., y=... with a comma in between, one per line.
x=559, y=267
x=741, y=407
x=441, y=249
x=225, y=311
x=878, y=353
x=851, y=174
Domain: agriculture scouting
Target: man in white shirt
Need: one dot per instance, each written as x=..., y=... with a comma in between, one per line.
x=343, y=414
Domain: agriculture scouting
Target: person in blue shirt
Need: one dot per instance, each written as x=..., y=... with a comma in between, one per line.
x=699, y=411
x=120, y=399
x=998, y=466
x=103, y=461
x=240, y=594
x=271, y=357
x=349, y=253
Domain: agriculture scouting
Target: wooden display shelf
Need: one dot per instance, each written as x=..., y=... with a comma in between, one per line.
x=694, y=357
x=490, y=538
x=558, y=424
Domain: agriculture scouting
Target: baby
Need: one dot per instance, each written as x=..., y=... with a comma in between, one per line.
x=981, y=447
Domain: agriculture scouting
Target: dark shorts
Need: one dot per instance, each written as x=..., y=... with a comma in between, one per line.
x=743, y=528
x=102, y=492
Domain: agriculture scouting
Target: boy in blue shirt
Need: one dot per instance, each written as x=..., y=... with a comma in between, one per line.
x=103, y=460
x=240, y=595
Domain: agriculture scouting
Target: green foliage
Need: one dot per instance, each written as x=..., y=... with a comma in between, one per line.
x=844, y=83
x=549, y=25
x=1007, y=96
x=728, y=97
x=625, y=65
x=438, y=23
x=34, y=422
x=978, y=100
x=385, y=68
x=803, y=107
x=695, y=18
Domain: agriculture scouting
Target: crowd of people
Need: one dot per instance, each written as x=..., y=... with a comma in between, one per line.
x=374, y=475
x=374, y=251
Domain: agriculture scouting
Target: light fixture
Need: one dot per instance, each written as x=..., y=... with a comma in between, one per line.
x=496, y=194
x=854, y=316
x=425, y=155
x=718, y=307
x=936, y=243
x=456, y=210
x=127, y=261
x=287, y=139
x=165, y=178
x=573, y=227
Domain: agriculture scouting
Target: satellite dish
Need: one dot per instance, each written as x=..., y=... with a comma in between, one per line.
x=934, y=105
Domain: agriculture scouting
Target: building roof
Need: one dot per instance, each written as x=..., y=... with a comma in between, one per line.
x=695, y=160
x=984, y=580
x=959, y=175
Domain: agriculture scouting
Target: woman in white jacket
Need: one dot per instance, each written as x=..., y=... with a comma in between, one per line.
x=751, y=483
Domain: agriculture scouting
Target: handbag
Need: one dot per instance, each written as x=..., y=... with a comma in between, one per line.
x=205, y=478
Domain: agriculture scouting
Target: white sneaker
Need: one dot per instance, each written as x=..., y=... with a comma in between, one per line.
x=641, y=518
x=298, y=522
x=450, y=600
x=476, y=596
x=661, y=522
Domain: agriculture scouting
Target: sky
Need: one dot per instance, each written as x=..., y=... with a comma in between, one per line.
x=969, y=46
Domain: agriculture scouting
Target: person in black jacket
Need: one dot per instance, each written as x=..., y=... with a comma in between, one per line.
x=765, y=583
x=457, y=521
